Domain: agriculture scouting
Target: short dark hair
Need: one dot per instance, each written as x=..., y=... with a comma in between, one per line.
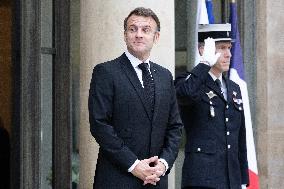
x=141, y=11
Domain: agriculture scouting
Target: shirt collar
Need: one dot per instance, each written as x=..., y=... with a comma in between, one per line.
x=135, y=61
x=214, y=77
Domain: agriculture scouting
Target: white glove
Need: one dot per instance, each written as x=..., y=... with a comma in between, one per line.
x=209, y=55
x=244, y=186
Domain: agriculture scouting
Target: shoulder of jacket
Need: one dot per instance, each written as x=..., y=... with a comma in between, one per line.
x=160, y=68
x=233, y=84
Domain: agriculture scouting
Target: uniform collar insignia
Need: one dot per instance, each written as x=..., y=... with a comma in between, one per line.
x=238, y=101
x=235, y=99
x=211, y=94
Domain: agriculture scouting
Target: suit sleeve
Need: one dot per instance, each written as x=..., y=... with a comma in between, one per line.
x=173, y=132
x=243, y=150
x=100, y=116
x=188, y=84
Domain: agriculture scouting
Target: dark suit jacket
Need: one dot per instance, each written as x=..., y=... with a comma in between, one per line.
x=215, y=152
x=121, y=124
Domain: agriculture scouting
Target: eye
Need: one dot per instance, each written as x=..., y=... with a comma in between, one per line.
x=132, y=29
x=146, y=30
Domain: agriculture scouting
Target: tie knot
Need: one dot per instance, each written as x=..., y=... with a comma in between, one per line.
x=218, y=82
x=143, y=66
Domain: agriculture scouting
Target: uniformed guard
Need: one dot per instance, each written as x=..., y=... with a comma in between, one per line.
x=212, y=111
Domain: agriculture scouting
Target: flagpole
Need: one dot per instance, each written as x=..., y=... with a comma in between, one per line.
x=192, y=35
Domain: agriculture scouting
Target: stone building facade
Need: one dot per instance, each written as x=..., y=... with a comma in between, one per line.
x=48, y=50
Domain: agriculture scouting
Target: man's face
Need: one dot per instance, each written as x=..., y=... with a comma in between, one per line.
x=223, y=62
x=140, y=35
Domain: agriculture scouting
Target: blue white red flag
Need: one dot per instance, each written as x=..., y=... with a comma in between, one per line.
x=236, y=74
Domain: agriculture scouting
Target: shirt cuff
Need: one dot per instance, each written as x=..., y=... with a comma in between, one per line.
x=163, y=161
x=133, y=165
x=244, y=186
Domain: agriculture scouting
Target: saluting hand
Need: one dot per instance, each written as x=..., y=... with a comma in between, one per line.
x=209, y=54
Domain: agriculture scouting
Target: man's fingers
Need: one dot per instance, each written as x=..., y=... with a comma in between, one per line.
x=159, y=173
x=151, y=159
x=152, y=179
x=149, y=182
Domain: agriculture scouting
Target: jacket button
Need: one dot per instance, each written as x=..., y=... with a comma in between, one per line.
x=229, y=146
x=228, y=133
x=227, y=119
x=198, y=149
x=227, y=107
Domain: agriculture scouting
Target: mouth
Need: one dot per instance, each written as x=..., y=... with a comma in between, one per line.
x=139, y=43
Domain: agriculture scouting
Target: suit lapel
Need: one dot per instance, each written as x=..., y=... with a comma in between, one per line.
x=156, y=77
x=128, y=69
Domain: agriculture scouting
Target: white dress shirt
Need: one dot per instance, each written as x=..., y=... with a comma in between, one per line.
x=135, y=63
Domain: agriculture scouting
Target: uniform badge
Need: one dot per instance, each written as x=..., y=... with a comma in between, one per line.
x=211, y=94
x=212, y=112
x=236, y=100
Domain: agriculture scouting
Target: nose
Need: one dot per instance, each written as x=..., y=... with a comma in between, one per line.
x=228, y=53
x=139, y=33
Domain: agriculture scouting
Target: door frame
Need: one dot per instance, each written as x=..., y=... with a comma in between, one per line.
x=26, y=52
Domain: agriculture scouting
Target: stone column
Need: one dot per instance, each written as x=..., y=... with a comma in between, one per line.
x=270, y=90
x=101, y=40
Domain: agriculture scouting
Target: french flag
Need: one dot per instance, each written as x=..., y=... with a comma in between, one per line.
x=236, y=73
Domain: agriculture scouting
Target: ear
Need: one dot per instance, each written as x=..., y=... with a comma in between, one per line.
x=156, y=37
x=200, y=50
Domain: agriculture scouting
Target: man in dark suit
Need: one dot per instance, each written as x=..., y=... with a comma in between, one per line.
x=212, y=112
x=133, y=112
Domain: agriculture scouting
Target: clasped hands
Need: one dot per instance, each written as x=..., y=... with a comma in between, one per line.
x=149, y=174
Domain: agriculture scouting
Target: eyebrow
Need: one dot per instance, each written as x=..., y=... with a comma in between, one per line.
x=146, y=26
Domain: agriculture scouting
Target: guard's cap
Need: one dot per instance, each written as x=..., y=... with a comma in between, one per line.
x=219, y=32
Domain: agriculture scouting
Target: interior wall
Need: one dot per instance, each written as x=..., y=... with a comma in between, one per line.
x=5, y=64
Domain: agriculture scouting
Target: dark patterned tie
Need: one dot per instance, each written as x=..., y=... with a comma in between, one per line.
x=218, y=83
x=149, y=86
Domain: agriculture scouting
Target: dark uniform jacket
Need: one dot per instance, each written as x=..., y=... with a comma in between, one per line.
x=215, y=151
x=121, y=123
